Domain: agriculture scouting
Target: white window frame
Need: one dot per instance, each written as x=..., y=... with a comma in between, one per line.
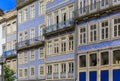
x=41, y=70
x=31, y=71
x=49, y=46
x=41, y=51
x=32, y=11
x=56, y=46
x=63, y=45
x=32, y=54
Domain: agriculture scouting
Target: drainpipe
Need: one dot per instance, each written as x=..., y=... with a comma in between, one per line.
x=75, y=41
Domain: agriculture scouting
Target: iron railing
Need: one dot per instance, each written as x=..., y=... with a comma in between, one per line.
x=70, y=74
x=58, y=26
x=29, y=42
x=63, y=75
x=95, y=7
x=56, y=75
x=49, y=76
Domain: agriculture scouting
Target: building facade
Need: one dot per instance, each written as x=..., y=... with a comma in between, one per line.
x=2, y=36
x=10, y=52
x=30, y=46
x=98, y=40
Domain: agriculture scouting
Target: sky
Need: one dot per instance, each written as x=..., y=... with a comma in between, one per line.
x=7, y=5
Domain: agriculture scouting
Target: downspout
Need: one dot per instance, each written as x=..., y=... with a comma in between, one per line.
x=75, y=40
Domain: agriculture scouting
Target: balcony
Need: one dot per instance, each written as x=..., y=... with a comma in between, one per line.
x=56, y=75
x=96, y=9
x=71, y=75
x=36, y=41
x=49, y=76
x=62, y=75
x=10, y=53
x=22, y=3
x=68, y=24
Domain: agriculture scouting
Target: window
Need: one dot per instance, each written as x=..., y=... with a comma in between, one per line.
x=3, y=32
x=93, y=59
x=14, y=44
x=104, y=30
x=104, y=58
x=41, y=52
x=56, y=68
x=32, y=10
x=20, y=37
x=25, y=14
x=25, y=35
x=82, y=6
x=116, y=57
x=25, y=57
x=20, y=73
x=32, y=69
x=32, y=54
x=83, y=35
x=20, y=60
x=63, y=45
x=93, y=33
x=93, y=4
x=71, y=44
x=25, y=72
x=41, y=7
x=71, y=67
x=40, y=30
x=63, y=68
x=32, y=35
x=49, y=69
x=104, y=3
x=71, y=9
x=49, y=22
x=116, y=1
x=41, y=70
x=116, y=27
x=82, y=60
x=20, y=17
x=56, y=46
x=49, y=48
x=63, y=11
x=56, y=18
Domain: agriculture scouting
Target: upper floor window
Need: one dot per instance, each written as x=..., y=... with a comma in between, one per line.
x=25, y=14
x=116, y=57
x=56, y=46
x=93, y=33
x=104, y=30
x=25, y=57
x=32, y=71
x=49, y=69
x=20, y=17
x=41, y=52
x=93, y=59
x=20, y=37
x=25, y=35
x=3, y=32
x=63, y=68
x=20, y=73
x=64, y=16
x=32, y=33
x=71, y=9
x=83, y=35
x=71, y=67
x=49, y=22
x=41, y=7
x=41, y=70
x=93, y=4
x=104, y=3
x=56, y=68
x=104, y=58
x=25, y=72
x=71, y=44
x=116, y=29
x=82, y=60
x=32, y=54
x=56, y=18
x=63, y=45
x=49, y=48
x=32, y=10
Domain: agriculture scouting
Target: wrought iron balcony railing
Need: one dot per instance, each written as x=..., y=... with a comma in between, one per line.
x=29, y=42
x=55, y=27
x=70, y=74
x=63, y=75
x=49, y=76
x=95, y=7
x=56, y=75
